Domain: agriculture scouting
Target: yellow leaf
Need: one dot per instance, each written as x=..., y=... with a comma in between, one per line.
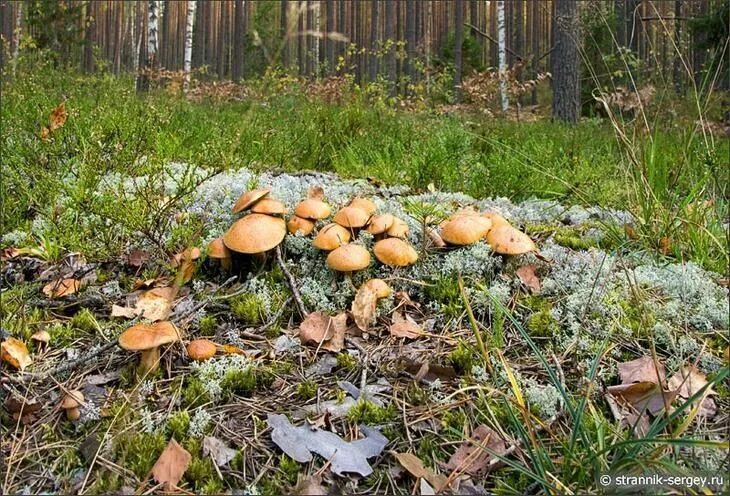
x=14, y=352
x=58, y=116
x=61, y=287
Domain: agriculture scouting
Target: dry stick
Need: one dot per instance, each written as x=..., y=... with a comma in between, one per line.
x=292, y=283
x=65, y=367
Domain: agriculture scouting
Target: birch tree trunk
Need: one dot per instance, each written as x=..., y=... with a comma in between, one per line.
x=502, y=55
x=188, y=56
x=143, y=83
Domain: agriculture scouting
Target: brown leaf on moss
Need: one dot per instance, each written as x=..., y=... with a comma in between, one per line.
x=417, y=469
x=58, y=117
x=404, y=327
x=643, y=369
x=364, y=307
x=14, y=352
x=643, y=396
x=471, y=457
x=61, y=287
x=321, y=329
x=171, y=465
x=528, y=277
x=687, y=382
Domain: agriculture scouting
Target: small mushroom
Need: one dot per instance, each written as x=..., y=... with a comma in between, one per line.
x=249, y=198
x=269, y=206
x=352, y=217
x=71, y=402
x=399, y=229
x=380, y=287
x=330, y=237
x=395, y=252
x=506, y=240
x=217, y=250
x=465, y=229
x=380, y=223
x=148, y=339
x=255, y=233
x=297, y=224
x=348, y=258
x=312, y=208
x=41, y=337
x=364, y=204
x=201, y=349
x=497, y=220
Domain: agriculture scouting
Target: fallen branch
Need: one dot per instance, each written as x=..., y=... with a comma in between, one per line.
x=292, y=283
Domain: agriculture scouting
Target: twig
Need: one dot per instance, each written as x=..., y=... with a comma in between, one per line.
x=65, y=367
x=479, y=31
x=292, y=283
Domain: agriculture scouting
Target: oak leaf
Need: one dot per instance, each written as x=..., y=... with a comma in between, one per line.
x=643, y=369
x=417, y=469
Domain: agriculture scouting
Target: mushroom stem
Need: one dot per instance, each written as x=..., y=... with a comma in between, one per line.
x=226, y=264
x=149, y=360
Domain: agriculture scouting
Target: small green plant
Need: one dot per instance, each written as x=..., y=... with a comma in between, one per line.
x=346, y=361
x=249, y=308
x=85, y=321
x=369, y=413
x=307, y=390
x=178, y=424
x=463, y=357
x=208, y=325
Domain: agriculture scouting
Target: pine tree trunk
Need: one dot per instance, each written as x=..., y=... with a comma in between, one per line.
x=143, y=83
x=330, y=45
x=411, y=39
x=284, y=29
x=677, y=57
x=502, y=55
x=89, y=12
x=188, y=56
x=566, y=84
x=374, y=41
x=390, y=38
x=535, y=28
x=458, y=44
x=239, y=39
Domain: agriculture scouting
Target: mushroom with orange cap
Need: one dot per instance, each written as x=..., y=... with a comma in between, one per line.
x=71, y=403
x=249, y=198
x=348, y=258
x=201, y=349
x=312, y=208
x=352, y=217
x=395, y=252
x=506, y=240
x=364, y=204
x=330, y=237
x=399, y=228
x=217, y=251
x=255, y=233
x=465, y=229
x=379, y=287
x=269, y=206
x=380, y=223
x=148, y=339
x=497, y=220
x=297, y=224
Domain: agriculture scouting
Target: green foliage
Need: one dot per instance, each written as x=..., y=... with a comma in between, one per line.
x=195, y=393
x=346, y=361
x=139, y=451
x=369, y=413
x=445, y=291
x=208, y=325
x=178, y=424
x=85, y=321
x=464, y=357
x=307, y=390
x=249, y=308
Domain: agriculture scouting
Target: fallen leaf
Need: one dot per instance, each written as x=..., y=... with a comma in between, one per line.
x=643, y=396
x=337, y=342
x=316, y=193
x=639, y=423
x=21, y=408
x=471, y=456
x=45, y=133
x=324, y=330
x=687, y=382
x=14, y=352
x=58, y=117
x=232, y=350
x=137, y=258
x=171, y=465
x=61, y=287
x=217, y=450
x=429, y=372
x=127, y=312
x=300, y=442
x=436, y=239
x=364, y=307
x=528, y=277
x=191, y=253
x=415, y=467
x=155, y=304
x=310, y=486
x=404, y=327
x=643, y=369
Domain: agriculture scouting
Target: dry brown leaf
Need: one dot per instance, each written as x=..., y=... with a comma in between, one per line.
x=629, y=417
x=404, y=327
x=41, y=336
x=58, y=117
x=415, y=467
x=45, y=133
x=315, y=328
x=528, y=277
x=137, y=258
x=643, y=369
x=126, y=312
x=687, y=382
x=155, y=304
x=61, y=287
x=643, y=396
x=364, y=307
x=217, y=450
x=171, y=465
x=471, y=457
x=665, y=246
x=337, y=342
x=232, y=350
x=316, y=193
x=14, y=352
x=191, y=253
x=310, y=486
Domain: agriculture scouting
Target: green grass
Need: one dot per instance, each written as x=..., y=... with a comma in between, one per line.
x=110, y=129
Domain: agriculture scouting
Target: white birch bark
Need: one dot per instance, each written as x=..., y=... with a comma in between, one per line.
x=502, y=52
x=152, y=32
x=188, y=60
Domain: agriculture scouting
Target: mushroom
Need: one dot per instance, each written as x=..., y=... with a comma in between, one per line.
x=380, y=287
x=497, y=220
x=380, y=223
x=399, y=229
x=465, y=229
x=395, y=252
x=269, y=206
x=506, y=240
x=249, y=198
x=217, y=250
x=312, y=208
x=255, y=233
x=41, y=337
x=352, y=217
x=201, y=349
x=297, y=224
x=348, y=258
x=71, y=402
x=331, y=236
x=148, y=339
x=364, y=204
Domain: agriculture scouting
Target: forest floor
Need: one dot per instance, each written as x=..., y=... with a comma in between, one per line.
x=605, y=352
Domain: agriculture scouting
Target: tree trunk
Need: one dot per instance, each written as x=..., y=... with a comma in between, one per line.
x=566, y=85
x=390, y=39
x=458, y=44
x=188, y=56
x=284, y=28
x=619, y=7
x=143, y=83
x=677, y=57
x=239, y=40
x=374, y=41
x=411, y=39
x=90, y=20
x=535, y=28
x=301, y=39
x=16, y=36
x=502, y=55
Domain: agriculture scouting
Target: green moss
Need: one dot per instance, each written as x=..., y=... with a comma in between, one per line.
x=454, y=420
x=202, y=474
x=208, y=325
x=289, y=467
x=367, y=412
x=346, y=361
x=248, y=308
x=178, y=424
x=139, y=451
x=463, y=357
x=195, y=393
x=85, y=321
x=307, y=390
x=446, y=292
x=543, y=324
x=242, y=382
x=429, y=448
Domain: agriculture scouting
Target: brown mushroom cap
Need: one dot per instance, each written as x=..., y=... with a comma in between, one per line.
x=297, y=223
x=381, y=288
x=41, y=336
x=395, y=252
x=352, y=217
x=217, y=249
x=143, y=337
x=269, y=206
x=380, y=223
x=201, y=349
x=465, y=229
x=506, y=240
x=72, y=399
x=348, y=258
x=364, y=204
x=312, y=208
x=399, y=229
x=330, y=237
x=497, y=220
x=255, y=233
x=249, y=198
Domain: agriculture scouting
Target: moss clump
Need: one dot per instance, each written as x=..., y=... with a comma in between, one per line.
x=202, y=476
x=429, y=448
x=139, y=451
x=446, y=292
x=416, y=395
x=454, y=420
x=542, y=324
x=367, y=412
x=289, y=467
x=178, y=424
x=463, y=357
x=195, y=393
x=84, y=321
x=208, y=325
x=346, y=362
x=307, y=390
x=249, y=308
x=241, y=382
